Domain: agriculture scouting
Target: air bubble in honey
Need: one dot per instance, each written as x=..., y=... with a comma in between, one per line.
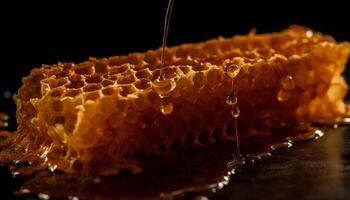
x=283, y=95
x=235, y=112
x=288, y=83
x=231, y=99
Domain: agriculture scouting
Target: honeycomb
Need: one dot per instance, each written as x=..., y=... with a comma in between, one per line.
x=108, y=114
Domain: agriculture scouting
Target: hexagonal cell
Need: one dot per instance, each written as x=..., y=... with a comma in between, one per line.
x=119, y=69
x=144, y=74
x=185, y=68
x=73, y=92
x=62, y=81
x=76, y=84
x=126, y=79
x=53, y=70
x=63, y=74
x=126, y=90
x=57, y=92
x=101, y=67
x=109, y=91
x=169, y=72
x=232, y=54
x=50, y=81
x=155, y=74
x=92, y=87
x=200, y=67
x=107, y=82
x=140, y=67
x=143, y=84
x=75, y=77
x=96, y=78
x=84, y=68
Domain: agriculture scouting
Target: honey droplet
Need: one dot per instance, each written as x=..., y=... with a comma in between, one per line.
x=4, y=116
x=164, y=87
x=232, y=70
x=235, y=111
x=283, y=95
x=166, y=106
x=4, y=124
x=288, y=83
x=167, y=109
x=231, y=99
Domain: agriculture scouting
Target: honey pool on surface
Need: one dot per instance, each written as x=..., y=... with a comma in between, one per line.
x=181, y=173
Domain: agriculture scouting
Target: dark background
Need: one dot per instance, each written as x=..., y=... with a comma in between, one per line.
x=38, y=33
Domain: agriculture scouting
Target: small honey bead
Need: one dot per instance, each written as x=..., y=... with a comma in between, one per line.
x=4, y=116
x=288, y=83
x=4, y=124
x=166, y=107
x=283, y=95
x=231, y=99
x=235, y=112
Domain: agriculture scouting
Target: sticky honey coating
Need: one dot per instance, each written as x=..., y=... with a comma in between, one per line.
x=106, y=114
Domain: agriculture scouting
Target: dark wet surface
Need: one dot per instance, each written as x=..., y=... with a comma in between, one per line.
x=318, y=169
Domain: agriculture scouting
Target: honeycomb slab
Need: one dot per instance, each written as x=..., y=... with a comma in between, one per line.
x=104, y=115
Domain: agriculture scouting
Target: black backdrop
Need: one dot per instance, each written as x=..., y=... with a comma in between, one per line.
x=37, y=33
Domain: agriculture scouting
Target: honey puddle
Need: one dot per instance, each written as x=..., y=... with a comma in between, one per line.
x=189, y=172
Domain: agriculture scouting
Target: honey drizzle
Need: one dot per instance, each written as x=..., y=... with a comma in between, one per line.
x=232, y=70
x=162, y=85
x=166, y=28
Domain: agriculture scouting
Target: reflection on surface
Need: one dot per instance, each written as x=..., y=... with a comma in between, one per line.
x=310, y=170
